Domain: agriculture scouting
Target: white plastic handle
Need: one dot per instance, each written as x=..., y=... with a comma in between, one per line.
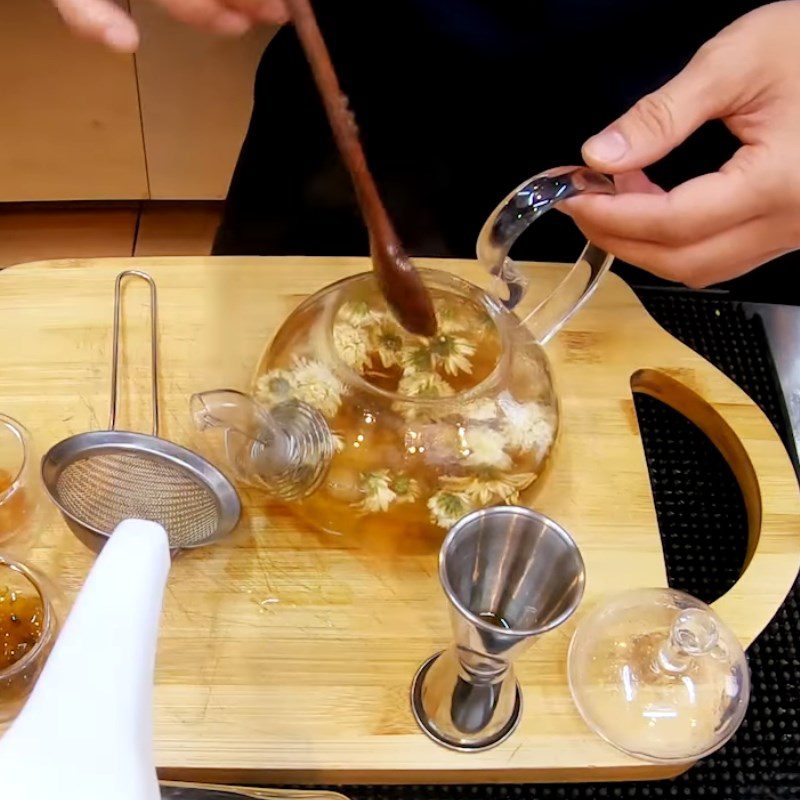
x=86, y=731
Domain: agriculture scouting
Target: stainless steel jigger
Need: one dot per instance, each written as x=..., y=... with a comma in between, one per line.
x=510, y=574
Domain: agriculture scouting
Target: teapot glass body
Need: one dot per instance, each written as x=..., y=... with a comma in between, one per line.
x=423, y=430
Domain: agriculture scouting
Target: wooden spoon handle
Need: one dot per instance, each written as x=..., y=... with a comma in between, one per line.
x=398, y=279
x=342, y=121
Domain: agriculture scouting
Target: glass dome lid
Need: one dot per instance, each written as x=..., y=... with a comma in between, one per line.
x=659, y=675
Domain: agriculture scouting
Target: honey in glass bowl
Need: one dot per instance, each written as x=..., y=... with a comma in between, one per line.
x=27, y=631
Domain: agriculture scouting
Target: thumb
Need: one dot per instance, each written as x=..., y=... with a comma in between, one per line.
x=660, y=121
x=102, y=21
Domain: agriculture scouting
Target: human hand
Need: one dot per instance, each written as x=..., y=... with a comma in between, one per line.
x=717, y=226
x=106, y=22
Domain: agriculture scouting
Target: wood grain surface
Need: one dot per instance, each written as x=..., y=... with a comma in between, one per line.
x=196, y=92
x=71, y=125
x=286, y=654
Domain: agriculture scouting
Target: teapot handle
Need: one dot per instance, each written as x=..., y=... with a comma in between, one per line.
x=512, y=217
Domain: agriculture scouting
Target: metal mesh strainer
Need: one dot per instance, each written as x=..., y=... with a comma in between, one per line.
x=101, y=478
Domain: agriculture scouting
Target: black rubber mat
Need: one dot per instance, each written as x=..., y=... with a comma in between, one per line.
x=703, y=526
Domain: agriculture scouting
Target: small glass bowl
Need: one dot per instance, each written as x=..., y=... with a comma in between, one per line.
x=22, y=586
x=18, y=495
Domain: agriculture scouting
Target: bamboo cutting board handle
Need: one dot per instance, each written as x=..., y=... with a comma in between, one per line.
x=733, y=437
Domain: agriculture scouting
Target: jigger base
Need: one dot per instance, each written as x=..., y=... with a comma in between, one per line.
x=424, y=723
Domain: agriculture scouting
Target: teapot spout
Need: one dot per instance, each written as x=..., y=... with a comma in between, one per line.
x=286, y=450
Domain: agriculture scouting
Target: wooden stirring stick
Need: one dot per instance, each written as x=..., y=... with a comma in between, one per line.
x=397, y=277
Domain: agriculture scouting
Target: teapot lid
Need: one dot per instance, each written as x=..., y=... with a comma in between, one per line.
x=659, y=675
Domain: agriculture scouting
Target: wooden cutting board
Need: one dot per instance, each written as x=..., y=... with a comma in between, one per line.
x=286, y=654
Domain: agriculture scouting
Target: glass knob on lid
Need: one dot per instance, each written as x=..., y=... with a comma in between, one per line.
x=659, y=675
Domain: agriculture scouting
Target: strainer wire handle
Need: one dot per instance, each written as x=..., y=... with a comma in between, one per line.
x=134, y=273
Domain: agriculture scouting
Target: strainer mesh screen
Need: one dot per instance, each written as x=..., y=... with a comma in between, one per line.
x=103, y=489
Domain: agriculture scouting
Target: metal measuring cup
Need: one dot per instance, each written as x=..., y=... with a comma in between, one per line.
x=510, y=574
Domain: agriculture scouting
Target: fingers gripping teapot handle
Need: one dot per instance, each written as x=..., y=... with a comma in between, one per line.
x=509, y=221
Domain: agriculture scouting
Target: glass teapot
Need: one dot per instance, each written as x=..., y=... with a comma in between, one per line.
x=359, y=424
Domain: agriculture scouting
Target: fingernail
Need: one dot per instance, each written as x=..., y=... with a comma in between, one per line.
x=608, y=146
x=232, y=24
x=120, y=38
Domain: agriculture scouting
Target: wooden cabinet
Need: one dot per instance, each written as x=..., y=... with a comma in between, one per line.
x=80, y=123
x=196, y=95
x=69, y=113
